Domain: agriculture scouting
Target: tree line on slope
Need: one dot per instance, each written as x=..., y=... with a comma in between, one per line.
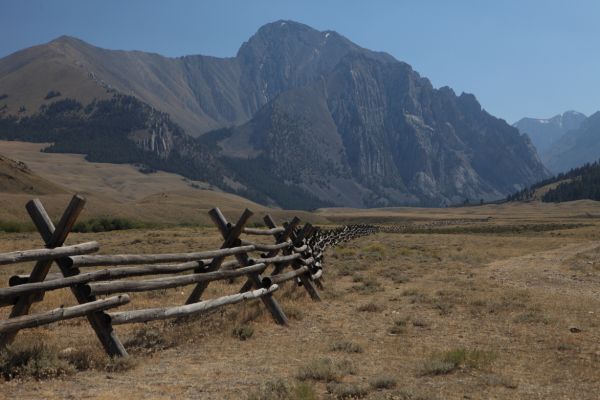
x=103, y=130
x=576, y=184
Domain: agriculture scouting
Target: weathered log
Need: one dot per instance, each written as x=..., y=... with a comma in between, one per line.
x=231, y=239
x=152, y=314
x=156, y=269
x=113, y=273
x=305, y=234
x=23, y=279
x=102, y=288
x=319, y=283
x=297, y=238
x=226, y=231
x=268, y=260
x=301, y=249
x=279, y=237
x=317, y=275
x=268, y=247
x=306, y=261
x=62, y=313
x=55, y=237
x=279, y=278
x=133, y=259
x=259, y=231
x=48, y=254
x=16, y=280
x=105, y=274
x=278, y=259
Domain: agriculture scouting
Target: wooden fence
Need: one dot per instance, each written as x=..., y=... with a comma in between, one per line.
x=296, y=254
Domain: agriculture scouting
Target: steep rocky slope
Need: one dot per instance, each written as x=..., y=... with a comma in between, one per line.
x=303, y=119
x=199, y=92
x=372, y=132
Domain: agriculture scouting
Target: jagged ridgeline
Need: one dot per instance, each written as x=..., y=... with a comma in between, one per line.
x=298, y=118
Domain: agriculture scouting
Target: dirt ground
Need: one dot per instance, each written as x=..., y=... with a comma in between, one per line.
x=506, y=307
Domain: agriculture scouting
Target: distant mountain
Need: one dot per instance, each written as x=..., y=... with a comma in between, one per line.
x=545, y=132
x=298, y=118
x=200, y=93
x=576, y=147
x=374, y=133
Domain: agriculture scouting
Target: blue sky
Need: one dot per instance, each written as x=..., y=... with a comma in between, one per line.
x=520, y=58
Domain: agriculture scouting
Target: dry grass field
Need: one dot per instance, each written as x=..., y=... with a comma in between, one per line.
x=118, y=190
x=463, y=306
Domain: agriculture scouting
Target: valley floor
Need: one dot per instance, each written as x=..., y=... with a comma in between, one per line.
x=506, y=307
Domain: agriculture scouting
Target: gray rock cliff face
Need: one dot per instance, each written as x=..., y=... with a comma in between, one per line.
x=396, y=137
x=333, y=122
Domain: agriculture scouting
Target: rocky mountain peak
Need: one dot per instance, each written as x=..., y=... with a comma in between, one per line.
x=572, y=119
x=334, y=122
x=469, y=102
x=289, y=35
x=65, y=42
x=545, y=132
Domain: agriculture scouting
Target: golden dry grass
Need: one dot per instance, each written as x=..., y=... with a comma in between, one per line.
x=404, y=316
x=120, y=190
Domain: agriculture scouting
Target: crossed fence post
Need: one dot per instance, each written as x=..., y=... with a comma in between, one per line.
x=303, y=262
x=303, y=235
x=279, y=238
x=231, y=238
x=297, y=241
x=55, y=237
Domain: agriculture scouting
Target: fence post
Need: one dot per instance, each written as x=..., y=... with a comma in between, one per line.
x=231, y=239
x=227, y=230
x=297, y=238
x=279, y=238
x=55, y=237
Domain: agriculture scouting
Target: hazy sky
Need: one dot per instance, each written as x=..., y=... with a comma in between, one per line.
x=520, y=58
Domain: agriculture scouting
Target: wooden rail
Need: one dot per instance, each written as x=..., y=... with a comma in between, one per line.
x=171, y=282
x=60, y=314
x=298, y=249
x=152, y=314
x=48, y=254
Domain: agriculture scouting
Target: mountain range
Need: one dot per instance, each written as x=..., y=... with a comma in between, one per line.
x=298, y=118
x=565, y=141
x=544, y=132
